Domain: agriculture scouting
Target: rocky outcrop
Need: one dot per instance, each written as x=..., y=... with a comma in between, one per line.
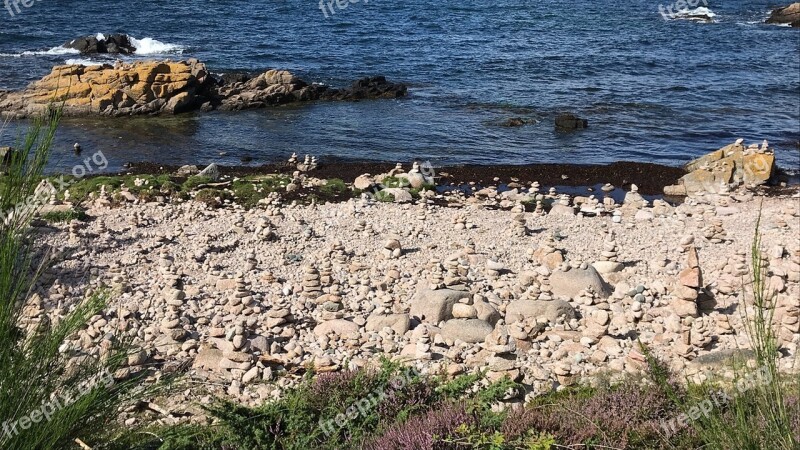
x=92, y=45
x=786, y=15
x=570, y=122
x=150, y=87
x=119, y=90
x=726, y=168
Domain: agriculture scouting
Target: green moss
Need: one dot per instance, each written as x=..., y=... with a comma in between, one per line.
x=383, y=196
x=211, y=197
x=333, y=186
x=194, y=181
x=64, y=216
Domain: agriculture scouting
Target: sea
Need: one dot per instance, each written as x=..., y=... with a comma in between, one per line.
x=653, y=85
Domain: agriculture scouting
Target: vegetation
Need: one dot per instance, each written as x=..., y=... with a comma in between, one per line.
x=49, y=398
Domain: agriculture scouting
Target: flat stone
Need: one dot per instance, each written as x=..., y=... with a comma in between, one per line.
x=470, y=331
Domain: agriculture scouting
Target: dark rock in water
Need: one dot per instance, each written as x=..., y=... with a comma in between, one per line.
x=514, y=122
x=570, y=122
x=366, y=88
x=229, y=78
x=91, y=45
x=246, y=159
x=788, y=14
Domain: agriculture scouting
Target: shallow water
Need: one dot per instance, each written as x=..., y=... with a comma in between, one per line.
x=653, y=90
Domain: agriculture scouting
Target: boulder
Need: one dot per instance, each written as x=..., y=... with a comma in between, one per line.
x=90, y=45
x=470, y=331
x=570, y=283
x=548, y=309
x=400, y=323
x=434, y=306
x=731, y=165
x=400, y=195
x=570, y=122
x=786, y=15
x=339, y=327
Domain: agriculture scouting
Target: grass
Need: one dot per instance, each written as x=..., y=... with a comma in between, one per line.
x=64, y=216
x=761, y=407
x=36, y=378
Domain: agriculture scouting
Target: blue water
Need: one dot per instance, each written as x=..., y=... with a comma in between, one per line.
x=653, y=90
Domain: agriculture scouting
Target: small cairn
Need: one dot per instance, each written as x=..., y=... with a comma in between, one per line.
x=118, y=279
x=547, y=254
x=539, y=211
x=690, y=280
x=793, y=270
x=309, y=163
x=460, y=222
x=436, y=277
x=326, y=272
x=714, y=231
x=274, y=205
x=551, y=193
x=241, y=299
x=501, y=346
x=493, y=269
x=702, y=331
x=312, y=287
x=74, y=239
x=392, y=249
x=103, y=235
x=251, y=263
x=608, y=262
x=338, y=253
x=265, y=230
x=423, y=346
x=519, y=229
x=293, y=159
x=634, y=199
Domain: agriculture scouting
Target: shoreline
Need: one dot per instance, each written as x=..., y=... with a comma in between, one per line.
x=650, y=178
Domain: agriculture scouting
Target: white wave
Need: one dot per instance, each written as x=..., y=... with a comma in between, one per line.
x=53, y=51
x=150, y=46
x=700, y=14
x=100, y=37
x=83, y=62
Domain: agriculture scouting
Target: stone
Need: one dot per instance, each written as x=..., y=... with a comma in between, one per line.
x=400, y=323
x=338, y=327
x=786, y=15
x=551, y=310
x=434, y=306
x=470, y=331
x=570, y=283
x=570, y=122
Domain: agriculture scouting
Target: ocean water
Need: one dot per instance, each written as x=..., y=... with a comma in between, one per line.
x=653, y=90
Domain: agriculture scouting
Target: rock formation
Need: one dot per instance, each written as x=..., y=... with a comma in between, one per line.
x=786, y=15
x=168, y=87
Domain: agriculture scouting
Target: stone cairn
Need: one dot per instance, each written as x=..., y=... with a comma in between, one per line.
x=251, y=263
x=74, y=239
x=539, y=211
x=547, y=254
x=501, y=346
x=312, y=287
x=241, y=301
x=493, y=269
x=118, y=279
x=274, y=205
x=460, y=222
x=456, y=272
x=690, y=280
x=608, y=261
x=423, y=346
x=436, y=277
x=338, y=253
x=392, y=249
x=265, y=230
x=714, y=231
x=103, y=236
x=519, y=227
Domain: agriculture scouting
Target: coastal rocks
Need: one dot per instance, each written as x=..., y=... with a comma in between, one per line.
x=569, y=281
x=124, y=89
x=570, y=122
x=786, y=15
x=168, y=87
x=470, y=331
x=730, y=166
x=91, y=45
